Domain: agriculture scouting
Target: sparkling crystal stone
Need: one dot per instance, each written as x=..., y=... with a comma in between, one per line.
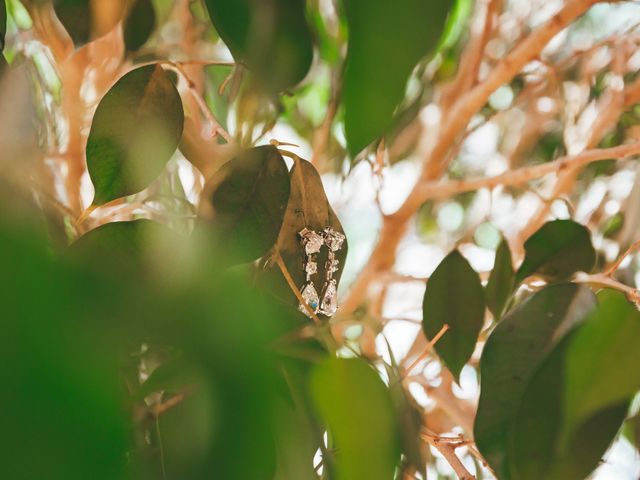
x=332, y=265
x=311, y=267
x=310, y=295
x=329, y=304
x=333, y=239
x=311, y=240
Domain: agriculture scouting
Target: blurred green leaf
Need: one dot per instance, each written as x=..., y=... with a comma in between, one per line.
x=3, y=23
x=295, y=445
x=602, y=360
x=75, y=16
x=357, y=407
x=500, y=285
x=249, y=196
x=538, y=449
x=443, y=305
x=135, y=131
x=386, y=41
x=124, y=248
x=456, y=24
x=272, y=38
x=557, y=250
x=139, y=24
x=173, y=377
x=63, y=416
x=515, y=349
x=308, y=207
x=409, y=418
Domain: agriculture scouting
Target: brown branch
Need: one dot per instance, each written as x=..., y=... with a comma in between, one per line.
x=603, y=280
x=613, y=104
x=448, y=451
x=456, y=121
x=520, y=176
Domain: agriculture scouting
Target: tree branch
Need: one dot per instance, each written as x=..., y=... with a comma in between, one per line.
x=456, y=121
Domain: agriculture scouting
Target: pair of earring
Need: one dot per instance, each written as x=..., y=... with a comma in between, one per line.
x=312, y=243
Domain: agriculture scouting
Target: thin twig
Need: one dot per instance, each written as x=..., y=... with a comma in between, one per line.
x=428, y=349
x=217, y=129
x=294, y=288
x=605, y=281
x=612, y=269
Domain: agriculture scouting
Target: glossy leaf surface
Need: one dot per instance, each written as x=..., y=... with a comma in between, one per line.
x=249, y=196
x=515, y=349
x=557, y=250
x=135, y=131
x=500, y=285
x=454, y=297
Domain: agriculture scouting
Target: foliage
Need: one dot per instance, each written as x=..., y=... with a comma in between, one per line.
x=154, y=322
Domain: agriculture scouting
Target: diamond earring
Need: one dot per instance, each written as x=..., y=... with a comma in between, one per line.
x=329, y=304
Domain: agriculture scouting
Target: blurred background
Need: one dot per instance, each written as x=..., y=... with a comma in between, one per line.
x=65, y=316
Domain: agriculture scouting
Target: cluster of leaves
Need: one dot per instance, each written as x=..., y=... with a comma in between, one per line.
x=553, y=393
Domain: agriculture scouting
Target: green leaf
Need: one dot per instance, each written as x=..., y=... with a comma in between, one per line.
x=123, y=248
x=61, y=396
x=557, y=250
x=139, y=24
x=513, y=352
x=603, y=359
x=249, y=196
x=409, y=418
x=386, y=41
x=538, y=450
x=308, y=207
x=454, y=297
x=3, y=23
x=500, y=285
x=76, y=17
x=357, y=408
x=136, y=130
x=271, y=38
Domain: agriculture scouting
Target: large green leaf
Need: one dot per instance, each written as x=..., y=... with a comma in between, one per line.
x=500, y=285
x=537, y=441
x=386, y=41
x=442, y=305
x=61, y=397
x=513, y=352
x=272, y=38
x=308, y=207
x=357, y=408
x=249, y=196
x=557, y=250
x=135, y=131
x=603, y=359
x=139, y=24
